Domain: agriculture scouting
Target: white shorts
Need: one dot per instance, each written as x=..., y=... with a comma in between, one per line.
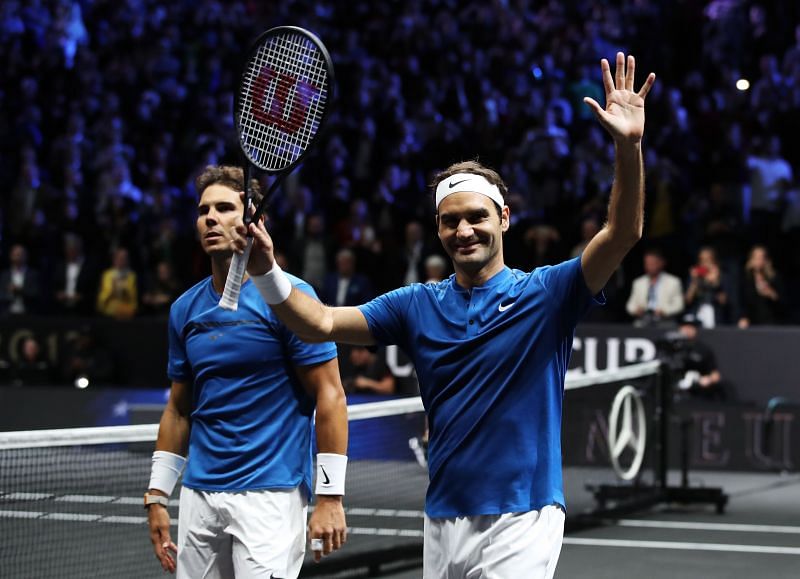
x=507, y=546
x=245, y=535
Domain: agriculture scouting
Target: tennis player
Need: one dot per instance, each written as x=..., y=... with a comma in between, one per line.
x=491, y=347
x=244, y=391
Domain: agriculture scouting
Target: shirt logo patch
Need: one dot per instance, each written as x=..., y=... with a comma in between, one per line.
x=504, y=307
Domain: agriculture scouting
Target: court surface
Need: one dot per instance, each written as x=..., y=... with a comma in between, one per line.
x=757, y=536
x=73, y=531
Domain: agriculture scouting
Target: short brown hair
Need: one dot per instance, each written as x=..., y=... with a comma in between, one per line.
x=226, y=175
x=476, y=168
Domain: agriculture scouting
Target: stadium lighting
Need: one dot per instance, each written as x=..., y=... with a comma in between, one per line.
x=743, y=84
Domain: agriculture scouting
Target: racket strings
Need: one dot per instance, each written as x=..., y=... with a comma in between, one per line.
x=282, y=100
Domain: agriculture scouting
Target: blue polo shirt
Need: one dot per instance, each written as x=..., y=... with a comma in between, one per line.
x=251, y=419
x=491, y=363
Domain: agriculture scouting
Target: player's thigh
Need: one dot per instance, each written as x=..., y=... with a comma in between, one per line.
x=204, y=550
x=524, y=545
x=494, y=546
x=269, y=532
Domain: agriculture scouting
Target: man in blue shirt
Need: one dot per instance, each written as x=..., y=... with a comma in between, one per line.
x=491, y=347
x=244, y=391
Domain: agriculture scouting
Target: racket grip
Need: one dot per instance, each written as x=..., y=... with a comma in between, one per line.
x=233, y=283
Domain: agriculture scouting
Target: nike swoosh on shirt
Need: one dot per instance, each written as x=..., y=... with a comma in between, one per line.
x=502, y=307
x=327, y=480
x=451, y=185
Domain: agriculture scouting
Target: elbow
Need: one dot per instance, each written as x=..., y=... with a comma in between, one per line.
x=320, y=330
x=625, y=238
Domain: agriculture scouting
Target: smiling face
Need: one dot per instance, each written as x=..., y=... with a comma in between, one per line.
x=471, y=232
x=217, y=213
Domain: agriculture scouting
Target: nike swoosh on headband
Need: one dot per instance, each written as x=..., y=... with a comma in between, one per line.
x=454, y=183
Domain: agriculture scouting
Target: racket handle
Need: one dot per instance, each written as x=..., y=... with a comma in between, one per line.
x=233, y=283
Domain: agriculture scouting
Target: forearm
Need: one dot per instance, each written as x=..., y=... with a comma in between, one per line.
x=626, y=205
x=173, y=432
x=309, y=319
x=331, y=421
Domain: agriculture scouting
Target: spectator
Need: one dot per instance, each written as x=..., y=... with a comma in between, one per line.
x=85, y=357
x=20, y=288
x=118, y=295
x=76, y=279
x=435, y=268
x=368, y=371
x=711, y=293
x=762, y=290
x=346, y=287
x=656, y=296
x=770, y=178
x=311, y=252
x=162, y=289
x=589, y=228
x=31, y=368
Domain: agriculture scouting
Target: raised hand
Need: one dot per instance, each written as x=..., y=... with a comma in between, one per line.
x=261, y=255
x=623, y=116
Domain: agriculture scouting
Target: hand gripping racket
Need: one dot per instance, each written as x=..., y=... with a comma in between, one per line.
x=284, y=94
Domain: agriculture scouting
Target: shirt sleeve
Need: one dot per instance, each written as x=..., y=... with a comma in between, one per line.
x=178, y=367
x=386, y=316
x=566, y=285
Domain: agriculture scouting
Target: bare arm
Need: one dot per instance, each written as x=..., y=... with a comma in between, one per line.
x=313, y=321
x=322, y=381
x=302, y=314
x=623, y=118
x=173, y=436
x=173, y=428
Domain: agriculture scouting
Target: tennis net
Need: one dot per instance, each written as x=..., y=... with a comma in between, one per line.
x=71, y=499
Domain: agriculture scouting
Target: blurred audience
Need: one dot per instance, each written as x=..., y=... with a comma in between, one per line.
x=763, y=290
x=161, y=289
x=346, y=286
x=20, y=287
x=84, y=357
x=366, y=371
x=711, y=295
x=109, y=110
x=118, y=294
x=31, y=368
x=75, y=280
x=656, y=296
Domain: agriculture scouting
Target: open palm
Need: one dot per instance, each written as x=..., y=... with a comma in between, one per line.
x=623, y=116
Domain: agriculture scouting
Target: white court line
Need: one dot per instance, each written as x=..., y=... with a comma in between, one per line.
x=84, y=518
x=692, y=526
x=683, y=546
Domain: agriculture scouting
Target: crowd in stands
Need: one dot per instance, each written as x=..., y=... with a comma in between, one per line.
x=110, y=108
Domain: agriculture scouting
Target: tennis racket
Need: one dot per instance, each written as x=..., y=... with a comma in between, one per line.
x=284, y=94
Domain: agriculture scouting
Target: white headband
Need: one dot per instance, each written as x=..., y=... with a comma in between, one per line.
x=469, y=183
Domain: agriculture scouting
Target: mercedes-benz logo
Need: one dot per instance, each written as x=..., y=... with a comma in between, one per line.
x=627, y=429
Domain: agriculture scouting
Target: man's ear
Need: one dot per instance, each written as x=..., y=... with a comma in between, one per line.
x=505, y=221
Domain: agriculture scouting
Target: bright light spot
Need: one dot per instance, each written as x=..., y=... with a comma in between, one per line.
x=743, y=84
x=81, y=382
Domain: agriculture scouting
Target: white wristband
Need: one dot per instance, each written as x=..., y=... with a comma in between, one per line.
x=166, y=469
x=331, y=471
x=274, y=286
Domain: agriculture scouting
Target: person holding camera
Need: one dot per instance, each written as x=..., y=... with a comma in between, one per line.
x=709, y=294
x=693, y=361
